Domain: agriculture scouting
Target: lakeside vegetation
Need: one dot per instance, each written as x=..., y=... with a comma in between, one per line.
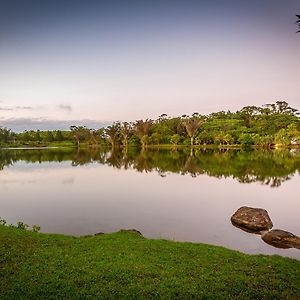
x=271, y=125
x=127, y=265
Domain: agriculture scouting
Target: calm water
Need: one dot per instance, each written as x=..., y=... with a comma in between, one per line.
x=180, y=195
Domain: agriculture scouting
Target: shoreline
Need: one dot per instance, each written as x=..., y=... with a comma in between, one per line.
x=161, y=146
x=127, y=265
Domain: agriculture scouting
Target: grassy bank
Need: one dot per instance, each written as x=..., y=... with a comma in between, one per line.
x=126, y=265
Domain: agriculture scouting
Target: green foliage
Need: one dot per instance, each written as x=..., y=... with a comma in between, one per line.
x=124, y=265
x=145, y=140
x=246, y=139
x=20, y=225
x=265, y=126
x=59, y=136
x=113, y=133
x=49, y=137
x=80, y=134
x=175, y=139
x=156, y=138
x=282, y=138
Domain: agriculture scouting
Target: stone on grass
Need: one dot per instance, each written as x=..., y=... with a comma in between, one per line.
x=132, y=231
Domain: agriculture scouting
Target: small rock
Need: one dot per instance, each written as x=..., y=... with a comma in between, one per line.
x=132, y=231
x=252, y=219
x=98, y=233
x=281, y=239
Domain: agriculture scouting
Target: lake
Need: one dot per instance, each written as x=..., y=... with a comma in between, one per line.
x=182, y=195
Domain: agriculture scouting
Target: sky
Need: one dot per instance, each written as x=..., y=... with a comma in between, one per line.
x=89, y=62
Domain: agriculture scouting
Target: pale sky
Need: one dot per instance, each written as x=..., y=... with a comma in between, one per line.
x=95, y=62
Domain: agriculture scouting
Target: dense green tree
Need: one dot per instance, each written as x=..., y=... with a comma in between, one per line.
x=5, y=135
x=59, y=136
x=49, y=137
x=142, y=129
x=37, y=136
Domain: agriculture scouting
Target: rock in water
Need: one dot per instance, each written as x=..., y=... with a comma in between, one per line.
x=252, y=219
x=281, y=239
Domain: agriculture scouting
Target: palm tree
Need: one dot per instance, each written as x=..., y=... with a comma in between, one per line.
x=298, y=22
x=80, y=133
x=125, y=131
x=192, y=126
x=113, y=133
x=94, y=134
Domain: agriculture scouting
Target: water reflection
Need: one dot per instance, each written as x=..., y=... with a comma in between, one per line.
x=268, y=167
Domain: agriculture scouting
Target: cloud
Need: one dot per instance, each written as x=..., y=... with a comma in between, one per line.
x=24, y=107
x=12, y=108
x=21, y=124
x=65, y=107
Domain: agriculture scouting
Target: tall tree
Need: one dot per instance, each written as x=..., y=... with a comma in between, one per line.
x=80, y=134
x=59, y=136
x=49, y=136
x=192, y=126
x=113, y=132
x=142, y=129
x=125, y=131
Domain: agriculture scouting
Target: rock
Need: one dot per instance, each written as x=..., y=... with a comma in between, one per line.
x=252, y=219
x=132, y=231
x=281, y=239
x=98, y=233
x=246, y=229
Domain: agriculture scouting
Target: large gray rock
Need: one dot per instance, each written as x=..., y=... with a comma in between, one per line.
x=281, y=239
x=252, y=219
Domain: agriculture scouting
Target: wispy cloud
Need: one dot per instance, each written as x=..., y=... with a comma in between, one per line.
x=21, y=124
x=65, y=107
x=24, y=107
x=13, y=108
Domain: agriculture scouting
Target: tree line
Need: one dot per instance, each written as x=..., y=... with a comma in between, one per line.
x=266, y=126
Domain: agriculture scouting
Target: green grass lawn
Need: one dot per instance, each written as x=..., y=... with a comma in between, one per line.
x=126, y=265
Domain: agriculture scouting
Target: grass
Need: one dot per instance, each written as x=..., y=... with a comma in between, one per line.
x=126, y=265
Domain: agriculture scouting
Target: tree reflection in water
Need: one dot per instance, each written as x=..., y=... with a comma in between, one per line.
x=269, y=167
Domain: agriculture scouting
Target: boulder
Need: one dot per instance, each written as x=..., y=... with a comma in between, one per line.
x=281, y=239
x=252, y=219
